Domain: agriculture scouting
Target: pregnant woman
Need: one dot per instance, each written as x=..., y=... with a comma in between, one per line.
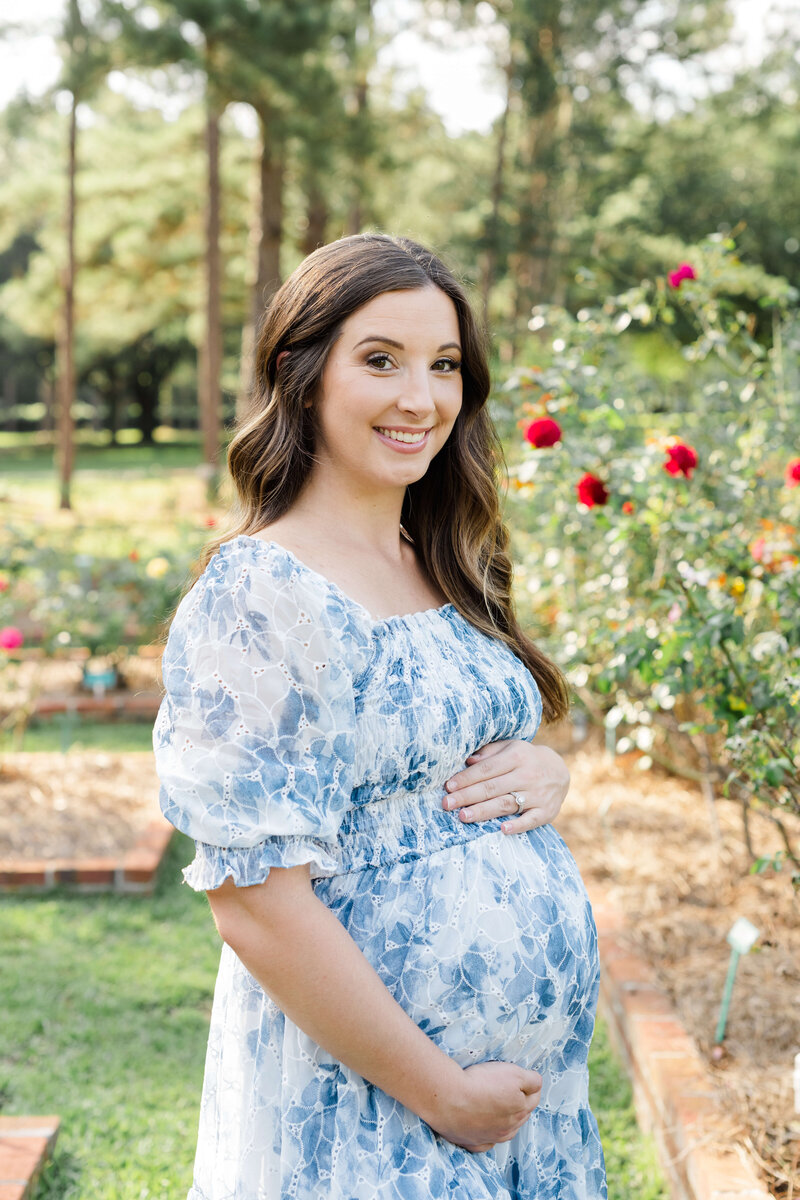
x=409, y=974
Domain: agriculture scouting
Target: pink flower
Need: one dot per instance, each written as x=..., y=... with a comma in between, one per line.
x=10, y=638
x=681, y=459
x=543, y=432
x=591, y=491
x=791, y=475
x=4, y=585
x=685, y=271
x=674, y=613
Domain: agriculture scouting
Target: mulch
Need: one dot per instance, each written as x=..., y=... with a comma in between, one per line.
x=80, y=805
x=647, y=837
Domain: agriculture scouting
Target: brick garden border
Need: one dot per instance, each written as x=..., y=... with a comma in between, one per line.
x=133, y=871
x=25, y=1144
x=114, y=703
x=674, y=1092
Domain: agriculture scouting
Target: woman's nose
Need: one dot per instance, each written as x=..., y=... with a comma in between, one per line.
x=417, y=394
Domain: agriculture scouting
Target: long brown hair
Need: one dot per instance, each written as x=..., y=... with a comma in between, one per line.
x=453, y=513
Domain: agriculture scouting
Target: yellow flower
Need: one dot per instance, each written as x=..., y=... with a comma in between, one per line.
x=157, y=567
x=738, y=587
x=736, y=703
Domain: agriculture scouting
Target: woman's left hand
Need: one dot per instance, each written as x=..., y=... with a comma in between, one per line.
x=483, y=789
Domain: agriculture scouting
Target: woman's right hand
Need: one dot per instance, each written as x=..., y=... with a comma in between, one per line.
x=493, y=1101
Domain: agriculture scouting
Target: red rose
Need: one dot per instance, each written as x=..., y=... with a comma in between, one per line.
x=681, y=459
x=791, y=475
x=543, y=432
x=591, y=491
x=684, y=271
x=627, y=507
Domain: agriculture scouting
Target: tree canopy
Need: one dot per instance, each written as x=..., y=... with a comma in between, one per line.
x=593, y=165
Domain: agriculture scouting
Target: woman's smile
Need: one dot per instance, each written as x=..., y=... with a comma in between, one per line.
x=404, y=441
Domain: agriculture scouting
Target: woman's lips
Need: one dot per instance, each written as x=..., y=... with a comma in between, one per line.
x=404, y=447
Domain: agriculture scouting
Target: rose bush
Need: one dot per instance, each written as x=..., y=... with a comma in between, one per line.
x=60, y=598
x=656, y=535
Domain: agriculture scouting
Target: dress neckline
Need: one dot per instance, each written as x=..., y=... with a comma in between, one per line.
x=375, y=622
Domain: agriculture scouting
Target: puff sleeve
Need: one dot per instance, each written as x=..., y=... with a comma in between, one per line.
x=254, y=738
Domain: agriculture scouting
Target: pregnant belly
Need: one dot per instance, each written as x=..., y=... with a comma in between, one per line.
x=488, y=945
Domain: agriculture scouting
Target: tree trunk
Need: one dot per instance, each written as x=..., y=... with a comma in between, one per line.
x=10, y=400
x=114, y=404
x=269, y=248
x=317, y=216
x=210, y=395
x=147, y=397
x=549, y=133
x=355, y=214
x=65, y=449
x=493, y=224
x=265, y=236
x=48, y=394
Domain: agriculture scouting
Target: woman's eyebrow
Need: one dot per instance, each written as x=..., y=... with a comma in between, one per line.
x=374, y=337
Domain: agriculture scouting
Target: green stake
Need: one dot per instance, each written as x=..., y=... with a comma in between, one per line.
x=741, y=938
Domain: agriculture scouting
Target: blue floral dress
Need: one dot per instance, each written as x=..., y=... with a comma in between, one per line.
x=296, y=729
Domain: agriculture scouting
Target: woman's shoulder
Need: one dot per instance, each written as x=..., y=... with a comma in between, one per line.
x=259, y=584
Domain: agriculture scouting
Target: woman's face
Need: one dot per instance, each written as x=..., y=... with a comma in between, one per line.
x=396, y=366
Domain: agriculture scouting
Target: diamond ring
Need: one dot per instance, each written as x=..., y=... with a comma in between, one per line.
x=519, y=800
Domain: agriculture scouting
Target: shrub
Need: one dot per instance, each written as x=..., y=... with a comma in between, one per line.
x=657, y=533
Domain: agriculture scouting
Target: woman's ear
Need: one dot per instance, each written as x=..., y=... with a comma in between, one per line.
x=283, y=354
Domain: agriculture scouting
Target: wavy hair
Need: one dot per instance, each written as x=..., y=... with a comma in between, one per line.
x=452, y=514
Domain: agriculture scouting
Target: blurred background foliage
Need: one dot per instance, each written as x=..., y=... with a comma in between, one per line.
x=219, y=141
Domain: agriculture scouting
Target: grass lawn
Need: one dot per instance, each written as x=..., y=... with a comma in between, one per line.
x=130, y=497
x=106, y=1001
x=31, y=454
x=64, y=732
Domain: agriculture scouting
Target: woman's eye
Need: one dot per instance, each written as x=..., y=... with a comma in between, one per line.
x=448, y=365
x=375, y=360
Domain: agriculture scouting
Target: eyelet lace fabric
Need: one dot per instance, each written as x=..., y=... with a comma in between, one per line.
x=296, y=729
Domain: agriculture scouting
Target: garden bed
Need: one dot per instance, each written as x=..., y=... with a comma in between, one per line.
x=646, y=838
x=88, y=821
x=41, y=684
x=66, y=806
